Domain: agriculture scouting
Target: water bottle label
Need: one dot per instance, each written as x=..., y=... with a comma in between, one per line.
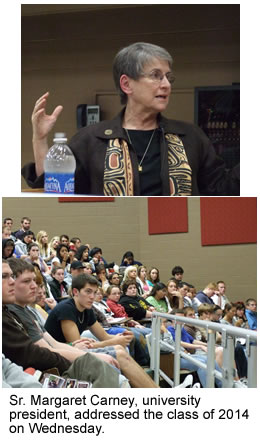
x=59, y=183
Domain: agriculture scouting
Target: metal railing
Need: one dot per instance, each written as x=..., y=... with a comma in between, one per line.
x=229, y=335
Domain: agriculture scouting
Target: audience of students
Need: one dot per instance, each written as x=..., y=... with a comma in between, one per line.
x=129, y=292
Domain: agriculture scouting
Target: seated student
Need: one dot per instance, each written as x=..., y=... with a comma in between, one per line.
x=135, y=306
x=157, y=298
x=130, y=274
x=217, y=314
x=25, y=289
x=114, y=279
x=177, y=273
x=142, y=280
x=219, y=297
x=7, y=233
x=128, y=260
x=35, y=258
x=88, y=268
x=72, y=253
x=54, y=243
x=82, y=254
x=240, y=357
x=76, y=241
x=187, y=343
x=76, y=268
x=205, y=295
x=102, y=276
x=58, y=286
x=228, y=314
x=72, y=316
x=240, y=320
x=174, y=296
x=8, y=248
x=42, y=304
x=153, y=276
x=205, y=312
x=62, y=259
x=137, y=348
x=251, y=313
x=44, y=247
x=21, y=245
x=96, y=258
x=19, y=348
x=184, y=291
x=113, y=297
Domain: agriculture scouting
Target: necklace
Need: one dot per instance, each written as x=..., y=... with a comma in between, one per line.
x=140, y=168
x=82, y=319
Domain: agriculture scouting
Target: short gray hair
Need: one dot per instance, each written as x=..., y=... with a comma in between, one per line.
x=131, y=59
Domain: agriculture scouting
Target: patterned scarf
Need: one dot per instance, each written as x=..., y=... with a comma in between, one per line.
x=118, y=175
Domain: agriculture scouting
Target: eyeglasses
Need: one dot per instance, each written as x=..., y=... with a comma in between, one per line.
x=157, y=76
x=8, y=276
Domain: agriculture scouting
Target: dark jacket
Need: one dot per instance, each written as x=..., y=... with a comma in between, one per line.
x=55, y=288
x=209, y=176
x=135, y=307
x=19, y=348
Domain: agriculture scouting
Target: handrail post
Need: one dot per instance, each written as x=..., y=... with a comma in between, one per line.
x=228, y=360
x=210, y=359
x=177, y=357
x=156, y=348
x=251, y=350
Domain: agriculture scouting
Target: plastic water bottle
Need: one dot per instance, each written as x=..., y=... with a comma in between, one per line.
x=59, y=167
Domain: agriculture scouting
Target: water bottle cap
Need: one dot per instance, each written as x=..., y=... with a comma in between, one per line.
x=60, y=137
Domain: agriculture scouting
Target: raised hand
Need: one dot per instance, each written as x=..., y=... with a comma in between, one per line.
x=41, y=122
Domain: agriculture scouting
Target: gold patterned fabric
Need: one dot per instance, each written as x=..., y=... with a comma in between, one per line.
x=118, y=174
x=180, y=172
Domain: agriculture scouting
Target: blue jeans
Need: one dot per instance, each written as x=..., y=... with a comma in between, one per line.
x=188, y=365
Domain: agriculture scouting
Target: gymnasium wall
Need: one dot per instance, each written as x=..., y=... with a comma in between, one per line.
x=123, y=225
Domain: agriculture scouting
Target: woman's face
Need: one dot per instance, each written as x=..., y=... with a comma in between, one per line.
x=160, y=294
x=88, y=269
x=132, y=274
x=131, y=290
x=55, y=244
x=143, y=273
x=154, y=274
x=85, y=254
x=115, y=279
x=240, y=313
x=72, y=253
x=184, y=290
x=231, y=312
x=40, y=296
x=64, y=253
x=172, y=288
x=34, y=253
x=98, y=295
x=59, y=275
x=44, y=239
x=149, y=94
x=8, y=251
x=114, y=294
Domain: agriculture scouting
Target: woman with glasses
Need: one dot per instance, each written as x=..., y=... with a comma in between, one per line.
x=140, y=152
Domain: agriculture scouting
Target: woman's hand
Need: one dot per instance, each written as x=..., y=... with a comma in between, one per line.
x=41, y=122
